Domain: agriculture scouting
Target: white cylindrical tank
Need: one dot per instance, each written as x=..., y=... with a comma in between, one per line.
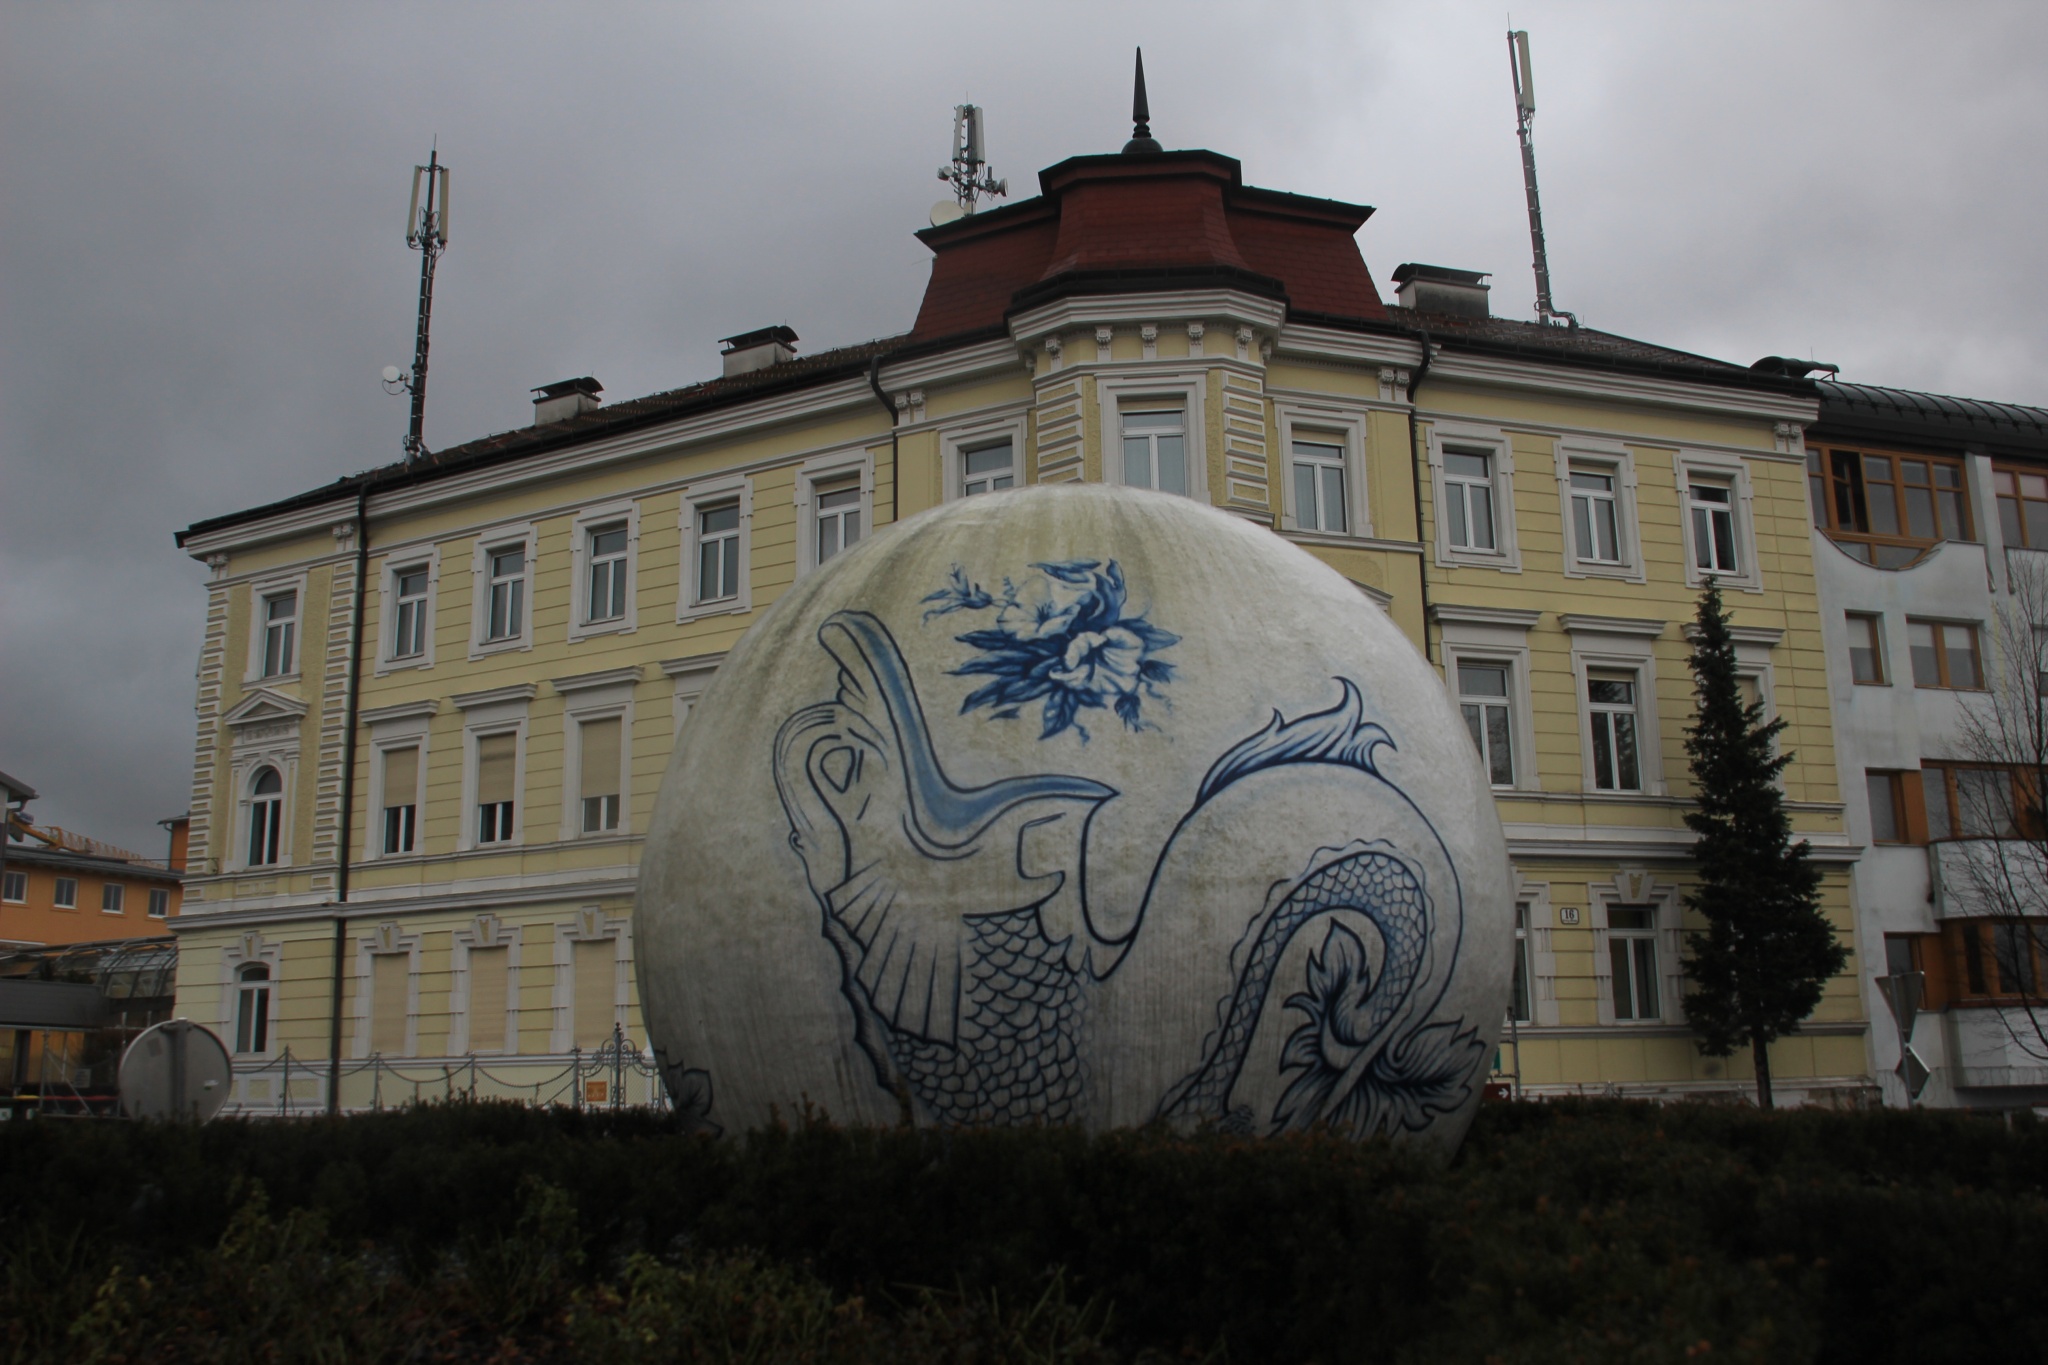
x=1077, y=805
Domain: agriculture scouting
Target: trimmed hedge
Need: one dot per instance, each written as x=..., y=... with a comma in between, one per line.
x=1563, y=1232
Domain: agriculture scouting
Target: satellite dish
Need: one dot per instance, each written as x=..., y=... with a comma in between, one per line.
x=392, y=374
x=946, y=211
x=175, y=1070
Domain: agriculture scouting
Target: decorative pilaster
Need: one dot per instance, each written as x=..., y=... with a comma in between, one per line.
x=1246, y=481
x=204, y=850
x=1058, y=420
x=334, y=685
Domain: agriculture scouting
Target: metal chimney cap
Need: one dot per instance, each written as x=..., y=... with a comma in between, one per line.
x=562, y=388
x=1413, y=270
x=759, y=337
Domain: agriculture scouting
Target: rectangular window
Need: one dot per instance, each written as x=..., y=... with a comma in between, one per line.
x=1611, y=709
x=409, y=634
x=507, y=593
x=159, y=903
x=1319, y=487
x=1596, y=522
x=496, y=761
x=2001, y=958
x=252, y=1009
x=607, y=598
x=67, y=893
x=599, y=746
x=1887, y=807
x=987, y=469
x=718, y=552
x=1887, y=509
x=1519, y=1003
x=280, y=631
x=1468, y=500
x=1945, y=655
x=1632, y=954
x=112, y=897
x=838, y=518
x=401, y=797
x=596, y=987
x=2022, y=507
x=1483, y=698
x=490, y=975
x=1866, y=648
x=1155, y=449
x=389, y=983
x=1965, y=802
x=14, y=887
x=1713, y=526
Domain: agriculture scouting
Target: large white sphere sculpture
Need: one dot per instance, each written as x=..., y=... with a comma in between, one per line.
x=1077, y=805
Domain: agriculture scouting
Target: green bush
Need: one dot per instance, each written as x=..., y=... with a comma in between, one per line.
x=1563, y=1232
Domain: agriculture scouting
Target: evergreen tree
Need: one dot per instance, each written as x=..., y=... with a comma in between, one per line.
x=1767, y=951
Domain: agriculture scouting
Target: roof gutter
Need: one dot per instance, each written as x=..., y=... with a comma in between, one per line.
x=350, y=717
x=1415, y=486
x=895, y=419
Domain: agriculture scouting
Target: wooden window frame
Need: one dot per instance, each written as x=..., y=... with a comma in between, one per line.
x=2007, y=475
x=1837, y=491
x=1873, y=624
x=1944, y=682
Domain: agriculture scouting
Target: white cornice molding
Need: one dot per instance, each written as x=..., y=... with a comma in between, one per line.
x=1561, y=376
x=965, y=362
x=610, y=677
x=695, y=663
x=404, y=710
x=265, y=704
x=486, y=893
x=1742, y=635
x=1359, y=348
x=469, y=701
x=1457, y=614
x=1160, y=307
x=1584, y=623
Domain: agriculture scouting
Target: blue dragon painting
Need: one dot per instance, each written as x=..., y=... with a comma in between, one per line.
x=960, y=915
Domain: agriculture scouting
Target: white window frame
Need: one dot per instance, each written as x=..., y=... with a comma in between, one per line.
x=245, y=830
x=407, y=725
x=829, y=468
x=250, y=950
x=956, y=441
x=1734, y=473
x=10, y=880
x=690, y=677
x=1543, y=1010
x=1321, y=422
x=591, y=924
x=154, y=893
x=1506, y=702
x=606, y=516
x=386, y=939
x=697, y=498
x=1499, y=450
x=1623, y=645
x=587, y=697
x=495, y=541
x=1191, y=391
x=1618, y=462
x=1496, y=635
x=117, y=893
x=1630, y=888
x=500, y=711
x=260, y=593
x=485, y=931
x=266, y=729
x=396, y=562
x=57, y=893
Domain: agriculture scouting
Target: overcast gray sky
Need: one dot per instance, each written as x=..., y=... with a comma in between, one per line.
x=202, y=268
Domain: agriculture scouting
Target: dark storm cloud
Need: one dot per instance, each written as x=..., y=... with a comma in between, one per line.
x=203, y=268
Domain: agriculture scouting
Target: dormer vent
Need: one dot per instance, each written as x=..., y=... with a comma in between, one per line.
x=750, y=351
x=1440, y=289
x=566, y=398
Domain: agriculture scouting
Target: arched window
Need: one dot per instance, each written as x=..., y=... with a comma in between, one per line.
x=252, y=1008
x=266, y=814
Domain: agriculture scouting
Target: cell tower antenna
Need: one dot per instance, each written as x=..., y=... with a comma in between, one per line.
x=1525, y=110
x=426, y=231
x=969, y=174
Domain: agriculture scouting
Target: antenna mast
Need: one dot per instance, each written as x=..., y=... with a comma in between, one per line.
x=967, y=175
x=1525, y=110
x=426, y=231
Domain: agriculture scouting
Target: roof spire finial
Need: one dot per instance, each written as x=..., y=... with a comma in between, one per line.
x=1141, y=116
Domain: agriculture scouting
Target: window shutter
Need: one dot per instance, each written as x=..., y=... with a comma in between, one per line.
x=489, y=974
x=388, y=973
x=401, y=776
x=596, y=985
x=600, y=758
x=494, y=756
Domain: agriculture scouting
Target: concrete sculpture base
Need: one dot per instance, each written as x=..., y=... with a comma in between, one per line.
x=1077, y=805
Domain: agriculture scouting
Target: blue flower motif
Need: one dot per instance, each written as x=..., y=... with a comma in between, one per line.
x=1060, y=636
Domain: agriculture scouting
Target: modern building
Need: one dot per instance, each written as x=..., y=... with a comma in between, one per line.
x=1930, y=539
x=436, y=699
x=57, y=887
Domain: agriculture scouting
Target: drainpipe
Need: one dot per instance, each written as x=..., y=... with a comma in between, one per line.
x=895, y=461
x=1421, y=467
x=348, y=794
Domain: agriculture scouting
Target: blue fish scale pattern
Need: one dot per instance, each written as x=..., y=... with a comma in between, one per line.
x=1376, y=885
x=1017, y=1059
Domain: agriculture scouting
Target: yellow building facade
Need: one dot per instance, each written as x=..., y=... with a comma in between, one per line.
x=437, y=699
